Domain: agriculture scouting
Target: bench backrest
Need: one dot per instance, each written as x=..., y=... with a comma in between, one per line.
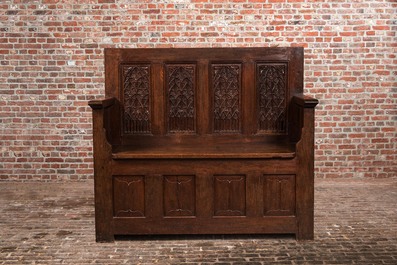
x=202, y=91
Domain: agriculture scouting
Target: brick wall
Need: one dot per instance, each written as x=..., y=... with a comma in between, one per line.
x=51, y=64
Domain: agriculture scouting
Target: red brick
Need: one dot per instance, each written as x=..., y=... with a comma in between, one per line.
x=350, y=67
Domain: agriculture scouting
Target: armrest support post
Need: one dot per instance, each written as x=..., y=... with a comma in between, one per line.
x=101, y=114
x=304, y=108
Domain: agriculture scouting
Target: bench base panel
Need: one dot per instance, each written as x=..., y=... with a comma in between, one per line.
x=202, y=197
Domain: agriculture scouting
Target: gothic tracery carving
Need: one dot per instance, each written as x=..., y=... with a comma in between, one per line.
x=271, y=87
x=226, y=81
x=136, y=93
x=181, y=97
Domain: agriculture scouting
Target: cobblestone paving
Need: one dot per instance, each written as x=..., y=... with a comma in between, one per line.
x=53, y=223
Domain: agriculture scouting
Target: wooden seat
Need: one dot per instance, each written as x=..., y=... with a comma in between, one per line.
x=204, y=141
x=196, y=148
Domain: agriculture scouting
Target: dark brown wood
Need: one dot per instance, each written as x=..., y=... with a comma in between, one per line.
x=102, y=172
x=204, y=141
x=305, y=156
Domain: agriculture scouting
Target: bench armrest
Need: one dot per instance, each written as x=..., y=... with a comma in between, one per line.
x=102, y=103
x=301, y=115
x=106, y=121
x=305, y=101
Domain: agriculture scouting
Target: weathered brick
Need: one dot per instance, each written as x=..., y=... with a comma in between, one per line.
x=51, y=47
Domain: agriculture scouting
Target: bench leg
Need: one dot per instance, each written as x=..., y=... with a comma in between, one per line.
x=103, y=204
x=305, y=232
x=104, y=236
x=103, y=221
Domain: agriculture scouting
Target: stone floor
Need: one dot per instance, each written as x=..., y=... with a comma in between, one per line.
x=53, y=223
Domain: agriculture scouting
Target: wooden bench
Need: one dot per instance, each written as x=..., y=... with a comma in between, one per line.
x=204, y=141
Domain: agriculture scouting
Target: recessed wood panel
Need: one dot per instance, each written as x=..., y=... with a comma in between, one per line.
x=271, y=82
x=229, y=195
x=226, y=89
x=136, y=98
x=279, y=195
x=179, y=196
x=129, y=196
x=181, y=96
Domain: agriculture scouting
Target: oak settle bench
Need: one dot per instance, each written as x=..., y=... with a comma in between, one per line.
x=204, y=141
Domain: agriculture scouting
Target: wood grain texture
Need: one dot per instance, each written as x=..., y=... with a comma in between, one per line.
x=204, y=141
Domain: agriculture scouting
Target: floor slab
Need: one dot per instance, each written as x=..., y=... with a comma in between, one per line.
x=53, y=223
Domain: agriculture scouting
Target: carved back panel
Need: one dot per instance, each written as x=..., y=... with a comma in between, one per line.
x=201, y=91
x=226, y=92
x=180, y=97
x=271, y=85
x=136, y=98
